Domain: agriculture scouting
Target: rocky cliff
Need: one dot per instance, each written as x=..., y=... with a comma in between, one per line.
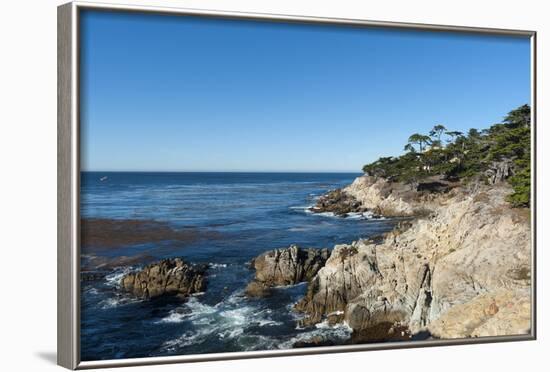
x=169, y=277
x=383, y=198
x=462, y=269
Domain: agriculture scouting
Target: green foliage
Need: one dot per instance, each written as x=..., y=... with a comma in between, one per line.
x=466, y=156
x=421, y=140
x=437, y=131
x=521, y=182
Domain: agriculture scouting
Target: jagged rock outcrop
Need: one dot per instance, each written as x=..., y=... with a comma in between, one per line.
x=286, y=266
x=168, y=277
x=382, y=197
x=471, y=244
x=338, y=202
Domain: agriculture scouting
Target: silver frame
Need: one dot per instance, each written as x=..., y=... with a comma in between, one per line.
x=68, y=181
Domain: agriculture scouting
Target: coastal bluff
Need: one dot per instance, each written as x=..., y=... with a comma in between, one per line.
x=383, y=198
x=460, y=268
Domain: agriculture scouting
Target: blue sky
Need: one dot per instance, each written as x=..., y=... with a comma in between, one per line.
x=167, y=93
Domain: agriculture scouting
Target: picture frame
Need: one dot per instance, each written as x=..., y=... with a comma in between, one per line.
x=69, y=182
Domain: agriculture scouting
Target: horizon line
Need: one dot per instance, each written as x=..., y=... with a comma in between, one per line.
x=216, y=171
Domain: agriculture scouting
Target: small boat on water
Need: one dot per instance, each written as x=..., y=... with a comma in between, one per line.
x=104, y=178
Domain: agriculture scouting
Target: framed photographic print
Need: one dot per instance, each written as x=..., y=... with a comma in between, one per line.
x=235, y=185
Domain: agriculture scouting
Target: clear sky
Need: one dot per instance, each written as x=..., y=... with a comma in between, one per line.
x=168, y=93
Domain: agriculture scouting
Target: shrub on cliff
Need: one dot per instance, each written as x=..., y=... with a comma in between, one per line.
x=467, y=156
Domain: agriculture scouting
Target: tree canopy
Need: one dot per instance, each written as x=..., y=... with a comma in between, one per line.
x=467, y=156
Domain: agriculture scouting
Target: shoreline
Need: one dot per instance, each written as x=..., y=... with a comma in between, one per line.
x=426, y=242
x=391, y=315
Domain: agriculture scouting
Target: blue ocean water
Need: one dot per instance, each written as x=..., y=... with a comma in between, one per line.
x=248, y=213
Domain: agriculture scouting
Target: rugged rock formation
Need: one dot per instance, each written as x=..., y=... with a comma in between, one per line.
x=382, y=197
x=461, y=255
x=169, y=277
x=339, y=203
x=286, y=266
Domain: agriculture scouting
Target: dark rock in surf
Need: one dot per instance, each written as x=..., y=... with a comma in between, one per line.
x=338, y=202
x=381, y=332
x=313, y=342
x=168, y=277
x=286, y=266
x=90, y=276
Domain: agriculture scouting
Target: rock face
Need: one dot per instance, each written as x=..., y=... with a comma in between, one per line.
x=382, y=198
x=471, y=250
x=502, y=312
x=169, y=277
x=286, y=266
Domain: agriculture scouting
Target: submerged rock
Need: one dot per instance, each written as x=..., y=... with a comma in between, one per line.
x=101, y=234
x=168, y=277
x=286, y=266
x=90, y=276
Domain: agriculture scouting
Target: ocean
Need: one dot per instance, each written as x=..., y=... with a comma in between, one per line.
x=237, y=216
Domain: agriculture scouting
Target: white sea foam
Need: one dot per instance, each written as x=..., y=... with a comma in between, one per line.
x=301, y=284
x=326, y=214
x=186, y=339
x=237, y=316
x=298, y=229
x=198, y=308
x=226, y=320
x=363, y=216
x=114, y=278
x=235, y=298
x=367, y=215
x=214, y=265
x=109, y=303
x=174, y=317
x=91, y=291
x=231, y=333
x=356, y=216
x=112, y=302
x=337, y=332
x=195, y=308
x=263, y=323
